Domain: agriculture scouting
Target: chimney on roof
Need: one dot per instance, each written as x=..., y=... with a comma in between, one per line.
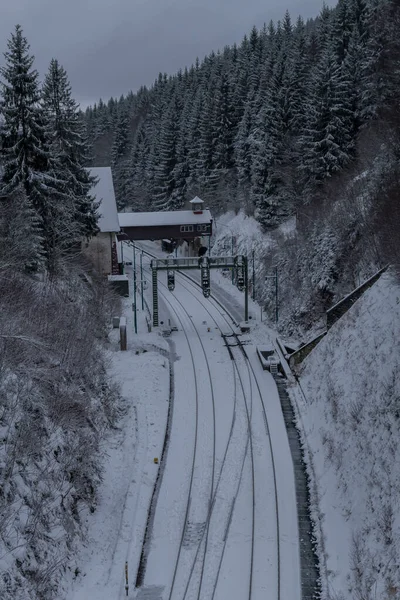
x=197, y=205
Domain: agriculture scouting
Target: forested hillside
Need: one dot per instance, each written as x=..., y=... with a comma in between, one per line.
x=300, y=121
x=261, y=125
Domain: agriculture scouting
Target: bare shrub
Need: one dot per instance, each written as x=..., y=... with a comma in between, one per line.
x=356, y=408
x=386, y=522
x=333, y=399
x=360, y=563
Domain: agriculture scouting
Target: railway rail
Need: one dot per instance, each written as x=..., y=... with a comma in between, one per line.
x=203, y=578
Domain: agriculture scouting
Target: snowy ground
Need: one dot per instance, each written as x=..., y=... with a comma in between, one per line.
x=350, y=417
x=116, y=529
x=217, y=491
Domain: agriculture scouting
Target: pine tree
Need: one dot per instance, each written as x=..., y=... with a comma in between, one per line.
x=327, y=145
x=164, y=181
x=69, y=148
x=243, y=155
x=221, y=127
x=343, y=24
x=25, y=152
x=181, y=170
x=193, y=133
x=120, y=152
x=137, y=193
x=121, y=137
x=21, y=241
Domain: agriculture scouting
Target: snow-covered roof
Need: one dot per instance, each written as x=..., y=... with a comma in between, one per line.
x=152, y=219
x=104, y=192
x=196, y=200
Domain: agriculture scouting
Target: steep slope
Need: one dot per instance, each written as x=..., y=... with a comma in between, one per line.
x=56, y=406
x=350, y=421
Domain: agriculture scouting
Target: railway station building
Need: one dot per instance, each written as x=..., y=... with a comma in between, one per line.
x=192, y=227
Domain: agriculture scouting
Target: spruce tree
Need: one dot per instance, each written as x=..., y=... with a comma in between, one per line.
x=266, y=118
x=195, y=118
x=21, y=241
x=120, y=154
x=181, y=170
x=343, y=24
x=326, y=144
x=260, y=158
x=243, y=151
x=137, y=195
x=25, y=152
x=204, y=132
x=121, y=138
x=69, y=148
x=221, y=128
x=164, y=181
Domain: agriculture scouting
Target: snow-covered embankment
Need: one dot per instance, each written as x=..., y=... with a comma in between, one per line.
x=351, y=419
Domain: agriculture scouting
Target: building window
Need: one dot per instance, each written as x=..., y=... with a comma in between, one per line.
x=187, y=228
x=202, y=227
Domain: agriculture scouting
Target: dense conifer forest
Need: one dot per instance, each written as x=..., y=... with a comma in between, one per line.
x=263, y=125
x=298, y=124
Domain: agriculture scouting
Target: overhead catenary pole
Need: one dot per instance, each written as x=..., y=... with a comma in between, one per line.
x=134, y=289
x=253, y=273
x=126, y=579
x=276, y=292
x=246, y=289
x=141, y=277
x=155, y=295
x=233, y=252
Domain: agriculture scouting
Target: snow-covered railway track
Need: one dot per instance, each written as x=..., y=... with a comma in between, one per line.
x=265, y=547
x=202, y=475
x=222, y=571
x=198, y=578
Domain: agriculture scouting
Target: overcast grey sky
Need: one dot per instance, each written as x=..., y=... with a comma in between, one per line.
x=109, y=47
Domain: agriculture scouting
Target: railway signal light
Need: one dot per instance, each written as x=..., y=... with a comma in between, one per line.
x=171, y=280
x=205, y=275
x=240, y=272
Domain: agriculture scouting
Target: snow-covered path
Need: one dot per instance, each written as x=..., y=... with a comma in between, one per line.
x=116, y=529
